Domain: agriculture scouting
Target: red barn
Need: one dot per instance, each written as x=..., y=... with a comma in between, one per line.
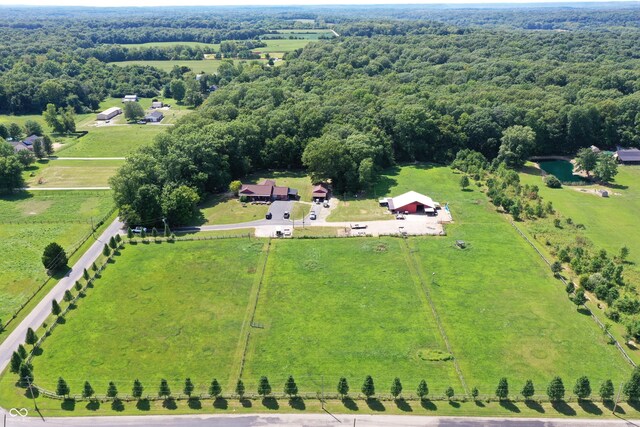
x=412, y=202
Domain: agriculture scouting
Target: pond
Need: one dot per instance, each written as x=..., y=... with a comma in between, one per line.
x=562, y=169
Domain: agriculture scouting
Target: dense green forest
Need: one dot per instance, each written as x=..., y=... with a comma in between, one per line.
x=347, y=108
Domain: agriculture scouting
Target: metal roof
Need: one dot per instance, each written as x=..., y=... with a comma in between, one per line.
x=410, y=197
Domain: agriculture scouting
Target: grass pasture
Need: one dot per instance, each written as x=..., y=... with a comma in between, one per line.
x=322, y=315
x=110, y=141
x=71, y=173
x=209, y=66
x=144, y=320
x=170, y=44
x=28, y=222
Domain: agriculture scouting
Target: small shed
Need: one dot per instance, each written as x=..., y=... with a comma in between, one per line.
x=130, y=98
x=157, y=104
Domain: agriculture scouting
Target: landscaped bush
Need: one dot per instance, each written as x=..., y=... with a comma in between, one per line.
x=552, y=182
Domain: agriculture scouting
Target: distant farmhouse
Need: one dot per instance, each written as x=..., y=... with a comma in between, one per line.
x=109, y=113
x=130, y=98
x=25, y=144
x=267, y=191
x=410, y=202
x=628, y=156
x=154, y=117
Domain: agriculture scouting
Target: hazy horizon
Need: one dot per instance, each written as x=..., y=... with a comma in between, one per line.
x=167, y=3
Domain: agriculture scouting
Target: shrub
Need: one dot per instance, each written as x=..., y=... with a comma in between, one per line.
x=552, y=182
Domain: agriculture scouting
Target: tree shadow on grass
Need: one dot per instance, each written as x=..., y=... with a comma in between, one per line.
x=270, y=403
x=403, y=405
x=194, y=403
x=562, y=407
x=479, y=403
x=634, y=404
x=246, y=403
x=428, y=405
x=589, y=407
x=143, y=405
x=221, y=403
x=117, y=405
x=375, y=405
x=31, y=393
x=68, y=405
x=454, y=404
x=93, y=405
x=38, y=351
x=350, y=404
x=584, y=311
x=297, y=402
x=609, y=404
x=533, y=405
x=509, y=406
x=170, y=404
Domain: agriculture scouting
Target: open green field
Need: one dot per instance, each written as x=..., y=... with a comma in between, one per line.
x=301, y=33
x=609, y=222
x=209, y=66
x=110, y=141
x=334, y=307
x=282, y=45
x=144, y=320
x=325, y=315
x=30, y=221
x=71, y=173
x=171, y=44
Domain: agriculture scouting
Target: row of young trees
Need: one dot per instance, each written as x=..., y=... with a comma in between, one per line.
x=555, y=389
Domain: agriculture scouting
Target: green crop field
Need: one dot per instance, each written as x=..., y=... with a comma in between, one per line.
x=30, y=221
x=144, y=320
x=325, y=315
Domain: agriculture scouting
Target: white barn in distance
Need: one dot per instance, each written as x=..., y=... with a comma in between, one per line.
x=109, y=113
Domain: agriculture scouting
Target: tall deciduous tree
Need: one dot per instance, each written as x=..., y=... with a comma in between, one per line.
x=606, y=168
x=586, y=160
x=517, y=143
x=54, y=257
x=133, y=111
x=632, y=387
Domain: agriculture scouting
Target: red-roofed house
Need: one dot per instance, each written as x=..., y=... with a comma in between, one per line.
x=266, y=191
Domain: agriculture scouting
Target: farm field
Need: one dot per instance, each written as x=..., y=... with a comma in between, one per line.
x=282, y=45
x=170, y=44
x=111, y=141
x=30, y=221
x=71, y=173
x=320, y=316
x=191, y=315
x=209, y=66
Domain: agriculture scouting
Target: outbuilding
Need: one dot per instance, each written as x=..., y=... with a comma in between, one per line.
x=319, y=192
x=109, y=113
x=130, y=98
x=154, y=117
x=412, y=202
x=157, y=104
x=628, y=156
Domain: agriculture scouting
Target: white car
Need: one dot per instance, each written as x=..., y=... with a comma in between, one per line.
x=312, y=216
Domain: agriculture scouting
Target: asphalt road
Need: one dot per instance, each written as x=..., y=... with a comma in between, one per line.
x=43, y=309
x=311, y=420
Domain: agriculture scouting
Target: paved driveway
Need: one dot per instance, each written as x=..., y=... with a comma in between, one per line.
x=277, y=209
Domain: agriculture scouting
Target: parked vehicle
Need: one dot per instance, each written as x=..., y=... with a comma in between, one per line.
x=358, y=226
x=268, y=215
x=139, y=230
x=312, y=216
x=325, y=204
x=399, y=216
x=286, y=215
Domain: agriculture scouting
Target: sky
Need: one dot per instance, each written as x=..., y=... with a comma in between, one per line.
x=156, y=3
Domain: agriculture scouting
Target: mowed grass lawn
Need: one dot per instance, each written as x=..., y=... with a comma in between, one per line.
x=343, y=307
x=111, y=141
x=161, y=311
x=71, y=173
x=209, y=66
x=610, y=223
x=30, y=221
